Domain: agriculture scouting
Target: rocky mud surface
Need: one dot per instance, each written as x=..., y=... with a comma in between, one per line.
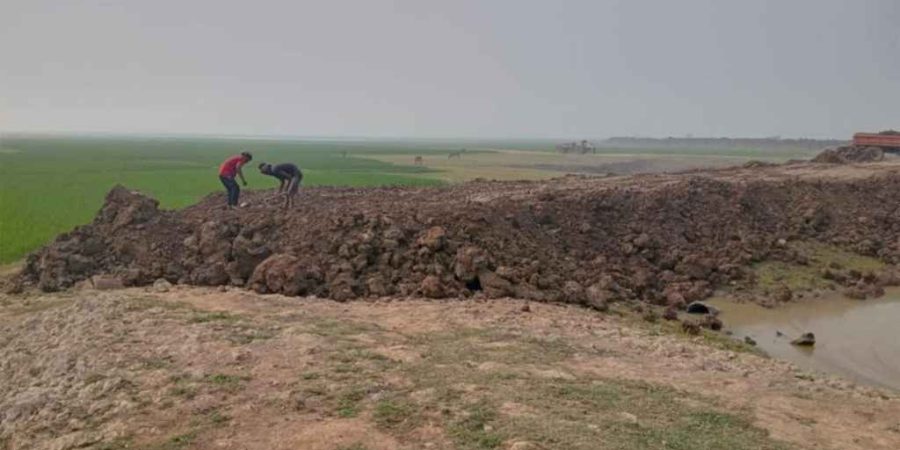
x=664, y=239
x=201, y=368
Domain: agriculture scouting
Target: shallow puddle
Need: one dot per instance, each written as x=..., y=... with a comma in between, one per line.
x=857, y=339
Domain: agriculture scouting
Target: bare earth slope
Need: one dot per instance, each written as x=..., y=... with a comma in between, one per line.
x=665, y=239
x=200, y=368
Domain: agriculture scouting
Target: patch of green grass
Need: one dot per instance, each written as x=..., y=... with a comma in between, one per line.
x=183, y=386
x=357, y=354
x=184, y=390
x=342, y=328
x=343, y=369
x=772, y=274
x=203, y=317
x=471, y=430
x=348, y=402
x=347, y=370
x=577, y=412
x=31, y=307
x=157, y=362
x=238, y=330
x=177, y=442
x=395, y=414
x=226, y=381
x=478, y=345
x=136, y=304
x=218, y=419
x=700, y=430
x=183, y=440
x=724, y=342
x=624, y=414
x=593, y=395
x=713, y=339
x=824, y=254
x=245, y=334
x=223, y=379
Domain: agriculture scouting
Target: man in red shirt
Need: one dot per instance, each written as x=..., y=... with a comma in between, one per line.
x=228, y=170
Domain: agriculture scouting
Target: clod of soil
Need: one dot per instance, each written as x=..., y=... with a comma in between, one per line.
x=666, y=239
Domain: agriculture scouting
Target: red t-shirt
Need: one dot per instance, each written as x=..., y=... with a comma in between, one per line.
x=229, y=168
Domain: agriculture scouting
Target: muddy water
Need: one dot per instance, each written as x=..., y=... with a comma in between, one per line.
x=859, y=340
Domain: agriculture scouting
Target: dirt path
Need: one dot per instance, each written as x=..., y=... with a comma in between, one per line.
x=200, y=368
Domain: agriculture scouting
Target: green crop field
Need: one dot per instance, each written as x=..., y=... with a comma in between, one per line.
x=49, y=184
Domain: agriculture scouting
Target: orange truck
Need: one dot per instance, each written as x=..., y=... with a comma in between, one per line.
x=884, y=140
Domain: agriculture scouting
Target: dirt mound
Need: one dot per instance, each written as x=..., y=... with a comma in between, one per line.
x=666, y=240
x=849, y=154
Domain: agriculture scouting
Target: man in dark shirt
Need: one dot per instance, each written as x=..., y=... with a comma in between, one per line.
x=288, y=175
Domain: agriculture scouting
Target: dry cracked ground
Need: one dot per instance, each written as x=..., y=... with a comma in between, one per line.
x=230, y=369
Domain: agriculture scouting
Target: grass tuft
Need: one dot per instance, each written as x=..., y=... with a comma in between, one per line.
x=472, y=431
x=395, y=414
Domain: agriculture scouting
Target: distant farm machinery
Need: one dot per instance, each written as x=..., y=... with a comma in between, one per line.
x=887, y=141
x=866, y=147
x=583, y=147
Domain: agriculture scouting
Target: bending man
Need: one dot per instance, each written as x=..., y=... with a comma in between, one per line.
x=288, y=175
x=228, y=170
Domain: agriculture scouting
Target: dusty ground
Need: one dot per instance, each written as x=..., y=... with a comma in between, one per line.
x=202, y=368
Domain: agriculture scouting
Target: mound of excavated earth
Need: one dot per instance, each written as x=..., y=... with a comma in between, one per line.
x=666, y=239
x=849, y=154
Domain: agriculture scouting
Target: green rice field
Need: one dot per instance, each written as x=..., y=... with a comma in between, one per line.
x=49, y=185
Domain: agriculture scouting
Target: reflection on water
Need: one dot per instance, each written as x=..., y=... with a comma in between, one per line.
x=856, y=339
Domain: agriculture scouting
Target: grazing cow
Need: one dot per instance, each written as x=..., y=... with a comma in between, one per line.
x=418, y=161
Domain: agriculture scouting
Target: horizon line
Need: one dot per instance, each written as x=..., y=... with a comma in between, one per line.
x=393, y=137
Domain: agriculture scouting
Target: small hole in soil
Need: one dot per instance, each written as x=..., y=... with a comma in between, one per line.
x=474, y=285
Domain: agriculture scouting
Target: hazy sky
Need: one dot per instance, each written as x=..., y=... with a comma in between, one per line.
x=452, y=68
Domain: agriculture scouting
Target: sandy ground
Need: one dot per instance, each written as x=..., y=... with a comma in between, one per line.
x=211, y=369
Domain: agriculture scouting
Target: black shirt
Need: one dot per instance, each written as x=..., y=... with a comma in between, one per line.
x=285, y=171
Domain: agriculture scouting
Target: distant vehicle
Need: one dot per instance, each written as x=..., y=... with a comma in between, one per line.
x=888, y=141
x=583, y=147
